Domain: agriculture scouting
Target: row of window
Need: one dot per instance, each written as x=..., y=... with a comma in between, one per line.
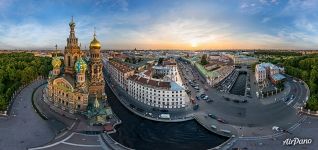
x=139, y=87
x=155, y=98
x=155, y=94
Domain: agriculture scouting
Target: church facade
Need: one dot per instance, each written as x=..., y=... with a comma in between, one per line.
x=78, y=82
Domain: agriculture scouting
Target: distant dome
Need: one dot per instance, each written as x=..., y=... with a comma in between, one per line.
x=80, y=66
x=56, y=62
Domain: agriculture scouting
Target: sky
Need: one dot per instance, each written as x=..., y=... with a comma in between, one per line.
x=161, y=24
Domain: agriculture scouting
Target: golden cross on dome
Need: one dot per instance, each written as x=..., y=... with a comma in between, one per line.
x=94, y=31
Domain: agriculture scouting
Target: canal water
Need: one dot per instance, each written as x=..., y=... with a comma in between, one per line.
x=142, y=134
x=239, y=85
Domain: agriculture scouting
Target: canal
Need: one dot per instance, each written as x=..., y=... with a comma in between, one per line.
x=239, y=85
x=142, y=134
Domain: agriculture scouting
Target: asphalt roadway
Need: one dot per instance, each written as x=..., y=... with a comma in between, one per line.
x=24, y=128
x=253, y=114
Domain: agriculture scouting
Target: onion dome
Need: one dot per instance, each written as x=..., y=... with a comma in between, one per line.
x=72, y=23
x=95, y=44
x=56, y=62
x=80, y=66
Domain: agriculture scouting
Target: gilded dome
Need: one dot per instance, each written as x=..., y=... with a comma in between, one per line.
x=56, y=62
x=94, y=43
x=80, y=65
x=72, y=23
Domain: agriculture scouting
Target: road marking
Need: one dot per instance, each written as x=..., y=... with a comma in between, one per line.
x=54, y=144
x=81, y=145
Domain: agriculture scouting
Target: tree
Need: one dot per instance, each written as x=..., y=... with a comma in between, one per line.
x=160, y=61
x=17, y=68
x=312, y=103
x=204, y=60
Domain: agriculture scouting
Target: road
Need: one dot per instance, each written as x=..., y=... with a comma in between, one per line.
x=252, y=118
x=24, y=128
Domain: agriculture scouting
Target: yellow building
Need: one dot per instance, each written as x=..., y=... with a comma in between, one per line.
x=76, y=84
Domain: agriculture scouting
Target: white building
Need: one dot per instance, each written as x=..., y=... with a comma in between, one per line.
x=157, y=93
x=169, y=70
x=119, y=72
x=153, y=92
x=265, y=71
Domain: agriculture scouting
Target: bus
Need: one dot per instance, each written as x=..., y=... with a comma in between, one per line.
x=164, y=116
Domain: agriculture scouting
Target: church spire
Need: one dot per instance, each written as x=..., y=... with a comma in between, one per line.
x=55, y=50
x=72, y=41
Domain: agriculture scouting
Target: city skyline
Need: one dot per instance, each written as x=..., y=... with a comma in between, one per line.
x=125, y=24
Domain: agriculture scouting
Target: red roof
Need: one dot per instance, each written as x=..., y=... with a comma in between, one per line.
x=108, y=127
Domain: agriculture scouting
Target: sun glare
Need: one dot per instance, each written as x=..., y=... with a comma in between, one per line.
x=194, y=44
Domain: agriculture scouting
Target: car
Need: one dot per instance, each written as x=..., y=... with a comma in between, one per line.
x=244, y=101
x=209, y=100
x=197, y=97
x=155, y=109
x=292, y=97
x=196, y=87
x=226, y=98
x=164, y=110
x=236, y=101
x=286, y=99
x=140, y=110
x=196, y=107
x=132, y=106
x=212, y=116
x=222, y=121
x=202, y=95
x=148, y=114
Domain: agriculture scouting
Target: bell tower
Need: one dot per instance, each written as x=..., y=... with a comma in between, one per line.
x=72, y=50
x=96, y=68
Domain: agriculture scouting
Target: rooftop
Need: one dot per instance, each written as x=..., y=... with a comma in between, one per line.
x=278, y=77
x=120, y=66
x=156, y=83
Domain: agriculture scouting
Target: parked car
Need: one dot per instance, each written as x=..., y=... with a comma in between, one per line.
x=222, y=121
x=196, y=107
x=209, y=100
x=164, y=110
x=132, y=106
x=236, y=101
x=155, y=109
x=140, y=110
x=212, y=116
